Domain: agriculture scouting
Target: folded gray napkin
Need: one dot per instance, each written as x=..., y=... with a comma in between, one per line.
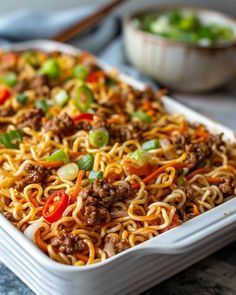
x=104, y=40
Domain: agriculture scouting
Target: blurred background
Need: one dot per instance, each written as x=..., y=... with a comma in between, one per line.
x=227, y=6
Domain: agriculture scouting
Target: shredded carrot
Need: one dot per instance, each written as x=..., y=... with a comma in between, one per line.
x=214, y=180
x=113, y=120
x=77, y=186
x=195, y=210
x=183, y=127
x=42, y=245
x=161, y=169
x=82, y=257
x=33, y=200
x=48, y=164
x=198, y=171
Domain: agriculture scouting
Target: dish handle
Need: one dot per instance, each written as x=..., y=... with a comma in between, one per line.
x=192, y=233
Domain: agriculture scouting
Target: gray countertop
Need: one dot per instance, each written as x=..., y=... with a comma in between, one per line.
x=215, y=275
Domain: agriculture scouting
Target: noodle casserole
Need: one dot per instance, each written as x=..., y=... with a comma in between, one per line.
x=90, y=166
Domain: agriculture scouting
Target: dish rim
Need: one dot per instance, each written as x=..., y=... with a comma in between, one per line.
x=30, y=247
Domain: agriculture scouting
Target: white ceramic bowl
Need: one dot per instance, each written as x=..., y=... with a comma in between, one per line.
x=181, y=66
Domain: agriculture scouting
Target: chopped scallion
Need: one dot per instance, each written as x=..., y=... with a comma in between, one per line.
x=150, y=145
x=143, y=117
x=59, y=155
x=99, y=137
x=94, y=175
x=86, y=162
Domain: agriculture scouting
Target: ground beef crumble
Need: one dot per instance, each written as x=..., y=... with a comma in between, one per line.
x=101, y=195
x=118, y=244
x=31, y=119
x=68, y=243
x=62, y=125
x=35, y=174
x=228, y=185
x=7, y=112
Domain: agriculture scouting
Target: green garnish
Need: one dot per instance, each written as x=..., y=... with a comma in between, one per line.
x=143, y=117
x=59, y=155
x=51, y=68
x=9, y=78
x=181, y=181
x=185, y=27
x=141, y=157
x=80, y=72
x=150, y=145
x=31, y=58
x=11, y=139
x=94, y=175
x=83, y=98
x=42, y=104
x=22, y=98
x=99, y=137
x=86, y=162
x=62, y=97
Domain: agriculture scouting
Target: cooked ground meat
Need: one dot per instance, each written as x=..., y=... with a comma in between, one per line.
x=31, y=119
x=99, y=196
x=35, y=174
x=99, y=121
x=39, y=85
x=68, y=243
x=118, y=244
x=83, y=125
x=179, y=140
x=122, y=133
x=228, y=185
x=22, y=86
x=62, y=125
x=197, y=152
x=6, y=112
x=217, y=139
x=188, y=191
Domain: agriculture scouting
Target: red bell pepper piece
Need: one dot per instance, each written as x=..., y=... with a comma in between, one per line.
x=94, y=77
x=55, y=206
x=4, y=95
x=10, y=58
x=83, y=117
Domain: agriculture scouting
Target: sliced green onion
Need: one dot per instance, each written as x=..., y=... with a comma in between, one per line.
x=61, y=97
x=31, y=58
x=11, y=139
x=80, y=72
x=150, y=145
x=51, y=68
x=42, y=104
x=59, y=155
x=94, y=175
x=83, y=98
x=9, y=78
x=86, y=162
x=22, y=98
x=181, y=181
x=99, y=137
x=68, y=172
x=141, y=157
x=143, y=117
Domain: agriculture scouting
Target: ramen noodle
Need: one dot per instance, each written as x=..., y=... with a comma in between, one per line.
x=91, y=166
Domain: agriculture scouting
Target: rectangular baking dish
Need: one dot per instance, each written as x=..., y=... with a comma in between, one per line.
x=137, y=269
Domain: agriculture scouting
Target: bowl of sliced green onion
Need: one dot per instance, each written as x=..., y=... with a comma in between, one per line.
x=183, y=48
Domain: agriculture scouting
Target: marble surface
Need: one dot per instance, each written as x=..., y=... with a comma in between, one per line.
x=215, y=275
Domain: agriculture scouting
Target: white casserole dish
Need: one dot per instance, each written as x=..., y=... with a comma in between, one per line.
x=134, y=270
